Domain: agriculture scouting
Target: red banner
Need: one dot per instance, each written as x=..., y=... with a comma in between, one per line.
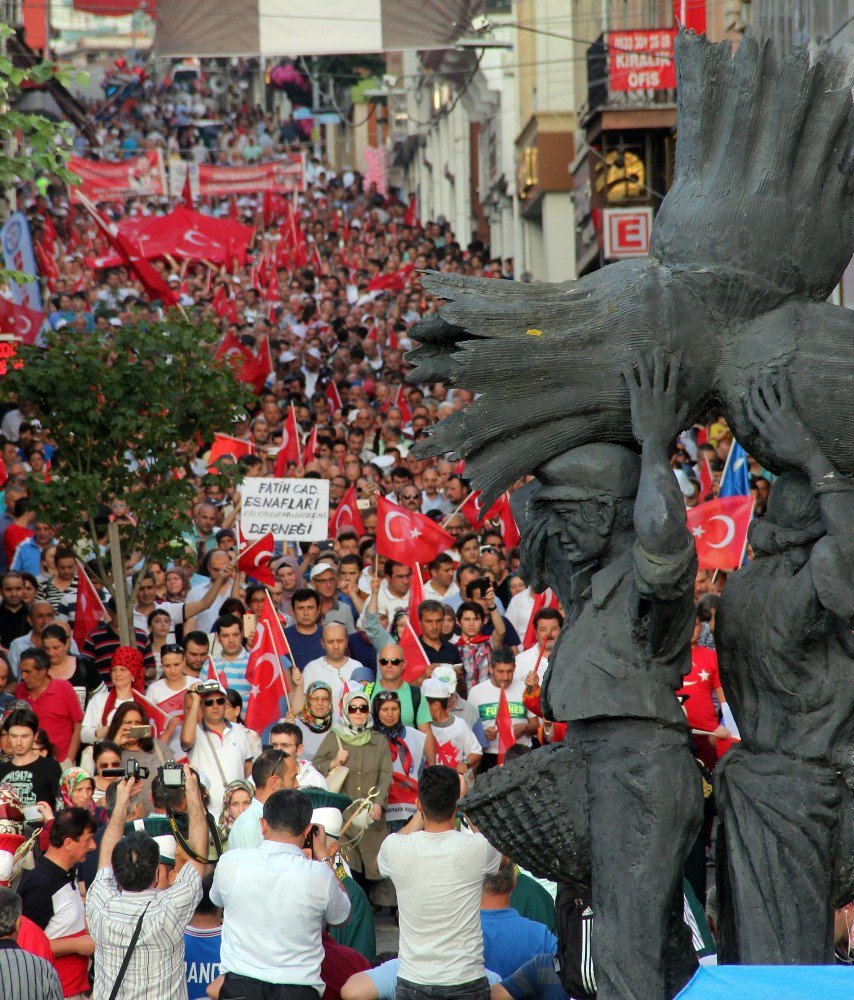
x=23, y=322
x=182, y=233
x=139, y=177
x=641, y=60
x=285, y=175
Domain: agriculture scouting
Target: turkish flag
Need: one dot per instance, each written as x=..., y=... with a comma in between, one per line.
x=290, y=450
x=258, y=369
x=416, y=596
x=509, y=529
x=407, y=536
x=270, y=620
x=416, y=659
x=705, y=478
x=394, y=282
x=309, y=452
x=156, y=716
x=215, y=675
x=402, y=405
x=152, y=281
x=90, y=610
x=254, y=561
x=472, y=509
x=23, y=322
x=504, y=725
x=547, y=599
x=225, y=444
x=334, y=396
x=346, y=515
x=264, y=672
x=187, y=192
x=720, y=528
x=410, y=217
x=220, y=304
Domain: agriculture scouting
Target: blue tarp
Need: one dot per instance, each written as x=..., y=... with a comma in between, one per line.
x=771, y=982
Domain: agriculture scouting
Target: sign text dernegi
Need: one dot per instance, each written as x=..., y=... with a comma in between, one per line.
x=292, y=509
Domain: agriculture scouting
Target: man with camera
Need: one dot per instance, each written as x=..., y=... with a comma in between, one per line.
x=216, y=749
x=276, y=901
x=138, y=930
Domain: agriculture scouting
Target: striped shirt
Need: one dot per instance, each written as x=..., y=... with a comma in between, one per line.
x=102, y=642
x=25, y=976
x=156, y=969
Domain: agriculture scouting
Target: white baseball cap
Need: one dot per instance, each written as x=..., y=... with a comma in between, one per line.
x=330, y=819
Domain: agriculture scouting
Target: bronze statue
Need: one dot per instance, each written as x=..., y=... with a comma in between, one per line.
x=786, y=792
x=746, y=248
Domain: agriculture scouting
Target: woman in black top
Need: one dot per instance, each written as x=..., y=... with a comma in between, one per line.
x=34, y=778
x=79, y=671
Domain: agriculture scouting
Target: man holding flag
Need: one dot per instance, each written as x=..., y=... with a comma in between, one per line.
x=501, y=690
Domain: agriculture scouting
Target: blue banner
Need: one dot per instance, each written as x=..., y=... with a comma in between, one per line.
x=18, y=256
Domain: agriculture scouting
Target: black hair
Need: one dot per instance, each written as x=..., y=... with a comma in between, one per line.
x=504, y=654
x=438, y=792
x=199, y=638
x=430, y=605
x=206, y=906
x=305, y=594
x=135, y=860
x=38, y=656
x=73, y=823
x=442, y=559
x=472, y=606
x=25, y=717
x=225, y=621
x=289, y=811
x=287, y=729
x=266, y=764
x=548, y=615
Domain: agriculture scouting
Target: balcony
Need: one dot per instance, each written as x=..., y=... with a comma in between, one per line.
x=630, y=71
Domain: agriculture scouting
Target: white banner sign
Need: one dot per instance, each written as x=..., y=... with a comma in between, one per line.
x=294, y=510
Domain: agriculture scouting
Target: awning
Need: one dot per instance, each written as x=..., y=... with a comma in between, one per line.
x=306, y=27
x=769, y=982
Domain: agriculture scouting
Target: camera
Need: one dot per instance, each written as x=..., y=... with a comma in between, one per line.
x=171, y=774
x=132, y=769
x=208, y=687
x=312, y=833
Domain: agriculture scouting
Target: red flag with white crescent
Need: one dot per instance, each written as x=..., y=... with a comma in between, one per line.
x=267, y=678
x=309, y=452
x=156, y=716
x=408, y=536
x=547, y=599
x=290, y=450
x=90, y=610
x=334, y=396
x=416, y=659
x=720, y=528
x=270, y=620
x=225, y=444
x=504, y=725
x=22, y=321
x=254, y=561
x=416, y=596
x=346, y=515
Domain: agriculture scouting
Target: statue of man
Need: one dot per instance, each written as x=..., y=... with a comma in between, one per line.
x=607, y=529
x=783, y=635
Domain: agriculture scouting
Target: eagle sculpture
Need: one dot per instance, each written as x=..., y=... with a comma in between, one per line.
x=746, y=248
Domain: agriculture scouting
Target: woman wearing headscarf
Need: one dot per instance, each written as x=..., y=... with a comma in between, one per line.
x=77, y=790
x=406, y=746
x=353, y=743
x=288, y=573
x=235, y=800
x=127, y=675
x=314, y=718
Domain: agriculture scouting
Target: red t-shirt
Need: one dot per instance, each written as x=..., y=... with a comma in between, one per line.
x=698, y=685
x=12, y=538
x=34, y=940
x=58, y=709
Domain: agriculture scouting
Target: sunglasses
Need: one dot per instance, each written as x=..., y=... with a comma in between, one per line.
x=172, y=647
x=362, y=710
x=384, y=661
x=214, y=701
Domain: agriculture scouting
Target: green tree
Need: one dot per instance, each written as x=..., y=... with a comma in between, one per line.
x=121, y=413
x=30, y=144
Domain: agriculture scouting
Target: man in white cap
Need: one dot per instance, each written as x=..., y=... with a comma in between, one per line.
x=324, y=579
x=311, y=361
x=458, y=706
x=456, y=744
x=216, y=749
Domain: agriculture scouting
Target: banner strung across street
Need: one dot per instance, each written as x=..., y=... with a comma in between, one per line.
x=137, y=177
x=290, y=509
x=285, y=176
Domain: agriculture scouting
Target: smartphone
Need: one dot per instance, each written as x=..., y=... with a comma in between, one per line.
x=249, y=625
x=309, y=840
x=140, y=732
x=363, y=504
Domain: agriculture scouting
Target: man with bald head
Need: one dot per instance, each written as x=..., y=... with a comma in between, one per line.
x=335, y=667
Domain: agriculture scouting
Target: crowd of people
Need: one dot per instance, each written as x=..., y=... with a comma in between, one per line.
x=348, y=804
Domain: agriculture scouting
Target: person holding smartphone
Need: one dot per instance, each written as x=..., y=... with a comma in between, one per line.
x=131, y=730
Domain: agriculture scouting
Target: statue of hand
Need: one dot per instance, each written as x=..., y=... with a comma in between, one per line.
x=653, y=398
x=770, y=408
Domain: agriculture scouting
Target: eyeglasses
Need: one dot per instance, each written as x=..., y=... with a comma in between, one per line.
x=361, y=709
x=488, y=548
x=214, y=701
x=172, y=647
x=385, y=660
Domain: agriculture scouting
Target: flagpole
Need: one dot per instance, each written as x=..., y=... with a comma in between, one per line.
x=454, y=512
x=728, y=460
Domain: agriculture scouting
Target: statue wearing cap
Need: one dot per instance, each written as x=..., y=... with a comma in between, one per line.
x=606, y=529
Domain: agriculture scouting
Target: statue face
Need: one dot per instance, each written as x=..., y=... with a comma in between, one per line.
x=580, y=528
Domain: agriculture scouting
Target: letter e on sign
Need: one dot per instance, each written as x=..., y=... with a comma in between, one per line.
x=627, y=232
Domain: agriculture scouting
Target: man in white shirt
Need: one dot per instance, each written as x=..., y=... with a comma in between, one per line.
x=441, y=586
x=394, y=590
x=275, y=902
x=547, y=625
x=216, y=749
x=219, y=565
x=271, y=771
x=287, y=737
x=441, y=942
x=486, y=697
x=335, y=667
x=519, y=610
x=456, y=744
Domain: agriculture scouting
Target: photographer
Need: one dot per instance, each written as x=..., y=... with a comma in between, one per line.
x=216, y=748
x=139, y=931
x=271, y=950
